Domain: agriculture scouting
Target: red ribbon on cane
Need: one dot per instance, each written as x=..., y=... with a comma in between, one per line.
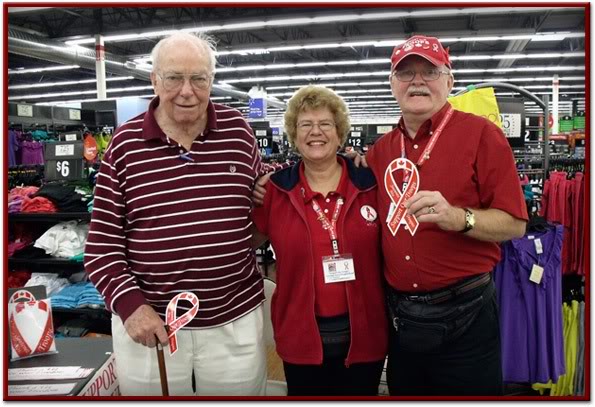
x=399, y=197
x=174, y=324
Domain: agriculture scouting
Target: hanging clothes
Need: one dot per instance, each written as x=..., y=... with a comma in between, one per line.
x=564, y=385
x=530, y=303
x=563, y=203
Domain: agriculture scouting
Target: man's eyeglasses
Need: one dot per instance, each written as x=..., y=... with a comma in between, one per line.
x=174, y=81
x=427, y=75
x=307, y=127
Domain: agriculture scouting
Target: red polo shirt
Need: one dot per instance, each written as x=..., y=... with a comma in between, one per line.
x=472, y=165
x=330, y=299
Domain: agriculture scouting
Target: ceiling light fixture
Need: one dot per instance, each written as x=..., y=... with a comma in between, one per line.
x=66, y=83
x=325, y=19
x=19, y=71
x=81, y=92
x=61, y=102
x=367, y=74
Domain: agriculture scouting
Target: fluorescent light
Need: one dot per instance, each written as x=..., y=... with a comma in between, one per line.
x=521, y=79
x=492, y=38
x=341, y=92
x=309, y=76
x=364, y=74
x=304, y=65
x=386, y=43
x=522, y=69
x=325, y=19
x=61, y=102
x=80, y=92
x=331, y=85
x=538, y=93
x=49, y=68
x=549, y=55
x=66, y=83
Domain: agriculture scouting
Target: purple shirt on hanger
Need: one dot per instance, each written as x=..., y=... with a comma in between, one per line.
x=530, y=313
x=13, y=146
x=32, y=152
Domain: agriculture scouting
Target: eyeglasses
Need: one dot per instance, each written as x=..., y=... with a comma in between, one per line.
x=174, y=81
x=307, y=127
x=427, y=75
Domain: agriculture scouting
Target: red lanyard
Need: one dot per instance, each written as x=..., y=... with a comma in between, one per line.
x=426, y=154
x=332, y=225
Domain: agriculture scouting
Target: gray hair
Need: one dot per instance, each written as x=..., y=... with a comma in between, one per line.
x=201, y=40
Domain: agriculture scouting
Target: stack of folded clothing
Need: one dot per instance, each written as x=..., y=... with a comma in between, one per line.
x=90, y=298
x=64, y=197
x=66, y=239
x=53, y=284
x=78, y=295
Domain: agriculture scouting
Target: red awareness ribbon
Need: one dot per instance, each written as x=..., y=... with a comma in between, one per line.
x=19, y=343
x=175, y=324
x=399, y=197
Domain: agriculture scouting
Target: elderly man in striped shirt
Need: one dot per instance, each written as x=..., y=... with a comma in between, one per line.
x=171, y=215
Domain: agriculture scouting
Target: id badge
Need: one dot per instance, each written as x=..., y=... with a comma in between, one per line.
x=338, y=268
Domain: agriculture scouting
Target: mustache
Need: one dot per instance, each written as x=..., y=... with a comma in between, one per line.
x=416, y=89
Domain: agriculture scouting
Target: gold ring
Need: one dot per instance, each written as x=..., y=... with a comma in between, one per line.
x=431, y=209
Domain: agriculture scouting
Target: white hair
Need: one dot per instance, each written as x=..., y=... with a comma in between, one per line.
x=203, y=41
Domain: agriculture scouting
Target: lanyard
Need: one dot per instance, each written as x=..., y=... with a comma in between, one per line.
x=332, y=225
x=426, y=154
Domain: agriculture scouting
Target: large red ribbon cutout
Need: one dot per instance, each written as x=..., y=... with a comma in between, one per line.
x=174, y=324
x=399, y=197
x=19, y=343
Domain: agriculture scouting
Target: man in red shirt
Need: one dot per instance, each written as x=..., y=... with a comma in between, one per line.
x=448, y=193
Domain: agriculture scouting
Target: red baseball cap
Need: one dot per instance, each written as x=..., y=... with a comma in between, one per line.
x=426, y=47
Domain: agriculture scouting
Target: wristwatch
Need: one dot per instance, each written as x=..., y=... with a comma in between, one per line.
x=469, y=220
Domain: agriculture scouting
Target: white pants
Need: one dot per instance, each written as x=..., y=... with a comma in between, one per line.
x=229, y=360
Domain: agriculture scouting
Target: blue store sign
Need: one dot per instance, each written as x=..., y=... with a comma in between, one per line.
x=258, y=109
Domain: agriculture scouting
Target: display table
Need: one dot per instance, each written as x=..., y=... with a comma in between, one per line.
x=95, y=353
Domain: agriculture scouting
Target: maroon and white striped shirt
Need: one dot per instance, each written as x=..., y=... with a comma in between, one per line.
x=167, y=220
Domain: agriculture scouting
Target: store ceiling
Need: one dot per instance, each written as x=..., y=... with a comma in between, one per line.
x=281, y=48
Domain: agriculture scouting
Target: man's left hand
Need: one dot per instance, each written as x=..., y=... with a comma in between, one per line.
x=431, y=206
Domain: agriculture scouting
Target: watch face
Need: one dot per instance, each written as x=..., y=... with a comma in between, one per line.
x=470, y=219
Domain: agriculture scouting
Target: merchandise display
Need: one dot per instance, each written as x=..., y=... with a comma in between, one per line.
x=109, y=212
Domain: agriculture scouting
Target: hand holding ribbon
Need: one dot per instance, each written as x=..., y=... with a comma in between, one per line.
x=432, y=207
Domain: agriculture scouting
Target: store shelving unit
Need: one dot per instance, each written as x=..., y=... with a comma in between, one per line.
x=38, y=222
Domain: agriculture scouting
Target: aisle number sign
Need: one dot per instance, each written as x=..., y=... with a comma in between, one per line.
x=25, y=110
x=355, y=138
x=263, y=139
x=74, y=114
x=64, y=160
x=565, y=124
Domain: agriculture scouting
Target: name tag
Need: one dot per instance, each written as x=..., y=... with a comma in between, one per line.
x=338, y=268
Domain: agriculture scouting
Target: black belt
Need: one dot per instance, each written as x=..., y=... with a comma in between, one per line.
x=449, y=292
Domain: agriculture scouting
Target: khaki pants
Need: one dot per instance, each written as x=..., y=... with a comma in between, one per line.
x=226, y=360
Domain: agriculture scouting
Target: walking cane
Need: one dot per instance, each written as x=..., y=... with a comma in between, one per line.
x=162, y=371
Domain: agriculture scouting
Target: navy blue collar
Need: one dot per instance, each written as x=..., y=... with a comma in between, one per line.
x=361, y=178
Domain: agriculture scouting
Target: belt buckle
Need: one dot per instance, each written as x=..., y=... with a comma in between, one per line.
x=414, y=297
